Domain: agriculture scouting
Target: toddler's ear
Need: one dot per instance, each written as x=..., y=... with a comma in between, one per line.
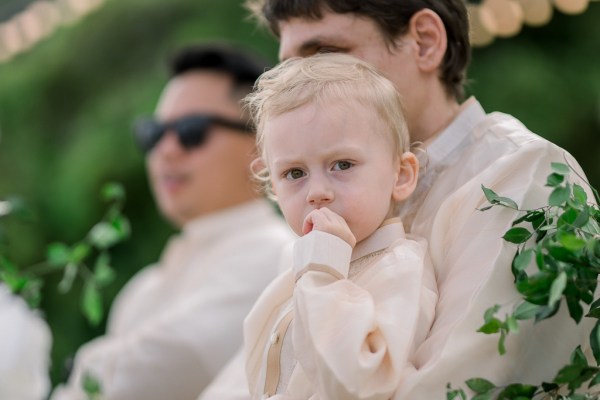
x=406, y=180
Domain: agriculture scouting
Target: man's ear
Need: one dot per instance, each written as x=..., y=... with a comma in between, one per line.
x=429, y=32
x=406, y=179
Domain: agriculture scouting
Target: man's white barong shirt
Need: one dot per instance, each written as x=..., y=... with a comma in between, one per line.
x=175, y=324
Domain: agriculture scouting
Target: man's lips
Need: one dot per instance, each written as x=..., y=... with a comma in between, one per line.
x=173, y=182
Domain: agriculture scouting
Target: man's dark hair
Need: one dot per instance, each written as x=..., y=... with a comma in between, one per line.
x=243, y=67
x=392, y=17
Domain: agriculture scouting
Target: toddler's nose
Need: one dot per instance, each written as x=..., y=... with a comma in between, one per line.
x=320, y=193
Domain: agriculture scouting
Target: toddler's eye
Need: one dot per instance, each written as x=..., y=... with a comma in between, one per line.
x=293, y=174
x=342, y=165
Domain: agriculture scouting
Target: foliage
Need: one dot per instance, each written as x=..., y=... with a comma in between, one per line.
x=88, y=259
x=558, y=256
x=91, y=387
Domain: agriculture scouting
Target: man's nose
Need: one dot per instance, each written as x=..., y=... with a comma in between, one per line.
x=320, y=192
x=169, y=144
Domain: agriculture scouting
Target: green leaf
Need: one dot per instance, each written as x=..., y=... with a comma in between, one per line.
x=594, y=309
x=560, y=168
x=80, y=252
x=575, y=374
x=517, y=389
x=91, y=385
x=113, y=191
x=575, y=309
x=493, y=198
x=546, y=312
x=595, y=381
x=480, y=385
x=91, y=303
x=483, y=396
x=58, y=254
x=539, y=221
x=490, y=312
x=558, y=253
x=501, y=346
x=490, y=195
x=554, y=180
x=121, y=224
x=512, y=325
x=536, y=289
x=579, y=194
x=492, y=326
x=567, y=218
x=517, y=235
x=104, y=235
x=578, y=358
x=559, y=196
x=571, y=242
x=582, y=218
x=522, y=260
x=526, y=310
x=69, y=275
x=103, y=273
x=595, y=341
x=557, y=288
x=452, y=394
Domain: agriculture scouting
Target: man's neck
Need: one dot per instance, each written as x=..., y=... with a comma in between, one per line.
x=436, y=114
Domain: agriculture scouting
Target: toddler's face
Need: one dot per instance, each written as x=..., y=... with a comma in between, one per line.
x=333, y=156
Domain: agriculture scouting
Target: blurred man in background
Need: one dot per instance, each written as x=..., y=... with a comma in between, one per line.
x=176, y=323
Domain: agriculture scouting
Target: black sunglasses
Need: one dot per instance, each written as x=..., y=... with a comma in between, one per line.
x=191, y=130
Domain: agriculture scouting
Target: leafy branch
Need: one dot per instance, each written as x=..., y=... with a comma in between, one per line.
x=88, y=259
x=558, y=256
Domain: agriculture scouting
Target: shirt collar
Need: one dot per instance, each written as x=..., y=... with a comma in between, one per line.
x=390, y=231
x=453, y=137
x=229, y=220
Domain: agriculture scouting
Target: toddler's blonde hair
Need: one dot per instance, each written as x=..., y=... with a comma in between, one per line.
x=321, y=79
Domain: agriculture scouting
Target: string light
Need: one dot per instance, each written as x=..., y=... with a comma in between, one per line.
x=38, y=21
x=489, y=19
x=505, y=18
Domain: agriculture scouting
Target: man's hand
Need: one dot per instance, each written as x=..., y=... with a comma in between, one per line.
x=325, y=220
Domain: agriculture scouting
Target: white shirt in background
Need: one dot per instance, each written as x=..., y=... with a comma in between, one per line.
x=175, y=324
x=25, y=342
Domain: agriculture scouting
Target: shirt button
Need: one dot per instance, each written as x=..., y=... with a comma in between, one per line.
x=274, y=338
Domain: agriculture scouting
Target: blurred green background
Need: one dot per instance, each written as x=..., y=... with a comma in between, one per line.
x=66, y=108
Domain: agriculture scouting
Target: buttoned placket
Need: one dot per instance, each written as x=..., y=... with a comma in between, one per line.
x=273, y=372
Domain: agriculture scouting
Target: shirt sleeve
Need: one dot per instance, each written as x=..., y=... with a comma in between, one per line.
x=354, y=340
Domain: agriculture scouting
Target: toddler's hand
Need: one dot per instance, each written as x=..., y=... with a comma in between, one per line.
x=325, y=220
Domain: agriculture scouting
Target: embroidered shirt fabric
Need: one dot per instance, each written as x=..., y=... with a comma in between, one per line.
x=353, y=333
